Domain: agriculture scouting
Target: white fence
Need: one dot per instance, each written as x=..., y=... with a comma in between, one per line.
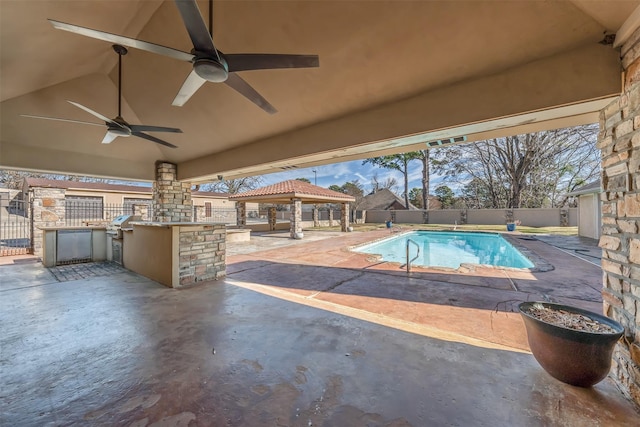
x=530, y=217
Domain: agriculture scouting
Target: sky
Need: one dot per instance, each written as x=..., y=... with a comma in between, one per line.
x=339, y=173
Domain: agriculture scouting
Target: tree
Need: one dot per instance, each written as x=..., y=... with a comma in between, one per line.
x=445, y=196
x=390, y=184
x=303, y=180
x=353, y=188
x=424, y=157
x=415, y=197
x=399, y=162
x=234, y=186
x=531, y=170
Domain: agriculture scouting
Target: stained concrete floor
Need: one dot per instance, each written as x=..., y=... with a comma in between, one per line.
x=301, y=335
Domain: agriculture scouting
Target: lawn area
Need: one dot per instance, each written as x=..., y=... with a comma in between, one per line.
x=562, y=231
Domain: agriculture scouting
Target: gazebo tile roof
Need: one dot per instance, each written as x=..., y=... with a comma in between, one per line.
x=294, y=189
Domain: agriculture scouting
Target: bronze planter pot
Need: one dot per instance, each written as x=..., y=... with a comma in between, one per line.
x=574, y=357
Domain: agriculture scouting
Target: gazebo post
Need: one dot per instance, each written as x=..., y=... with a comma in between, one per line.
x=344, y=217
x=241, y=214
x=296, y=218
x=273, y=219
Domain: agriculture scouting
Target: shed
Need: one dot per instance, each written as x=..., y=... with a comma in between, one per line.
x=589, y=213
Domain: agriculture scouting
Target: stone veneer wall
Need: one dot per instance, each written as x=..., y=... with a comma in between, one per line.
x=171, y=198
x=48, y=211
x=201, y=254
x=619, y=142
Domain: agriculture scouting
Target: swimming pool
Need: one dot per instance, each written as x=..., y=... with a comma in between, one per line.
x=449, y=249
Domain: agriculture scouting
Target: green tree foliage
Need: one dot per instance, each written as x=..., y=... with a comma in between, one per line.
x=445, y=196
x=415, y=197
x=304, y=180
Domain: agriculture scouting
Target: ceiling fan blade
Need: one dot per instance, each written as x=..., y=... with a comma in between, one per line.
x=62, y=120
x=196, y=26
x=125, y=41
x=241, y=86
x=98, y=115
x=267, y=61
x=189, y=87
x=153, y=138
x=109, y=137
x=145, y=128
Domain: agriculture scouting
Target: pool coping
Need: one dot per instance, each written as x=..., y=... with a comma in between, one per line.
x=540, y=264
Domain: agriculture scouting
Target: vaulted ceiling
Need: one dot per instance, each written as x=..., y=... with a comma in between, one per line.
x=392, y=76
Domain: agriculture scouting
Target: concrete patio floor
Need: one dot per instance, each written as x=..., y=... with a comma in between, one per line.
x=301, y=333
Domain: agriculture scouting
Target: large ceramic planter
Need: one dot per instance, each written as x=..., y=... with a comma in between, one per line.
x=575, y=357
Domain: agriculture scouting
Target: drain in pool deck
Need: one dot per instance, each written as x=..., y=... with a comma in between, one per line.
x=65, y=273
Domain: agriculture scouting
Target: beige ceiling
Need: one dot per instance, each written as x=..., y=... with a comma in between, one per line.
x=392, y=75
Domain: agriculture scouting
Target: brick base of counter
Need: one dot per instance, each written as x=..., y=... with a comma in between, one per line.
x=201, y=254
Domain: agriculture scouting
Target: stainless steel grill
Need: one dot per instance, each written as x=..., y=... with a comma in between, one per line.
x=115, y=227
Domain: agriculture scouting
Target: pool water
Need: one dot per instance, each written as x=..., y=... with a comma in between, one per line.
x=449, y=249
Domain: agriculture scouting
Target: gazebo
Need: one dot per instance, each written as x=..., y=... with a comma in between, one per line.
x=294, y=192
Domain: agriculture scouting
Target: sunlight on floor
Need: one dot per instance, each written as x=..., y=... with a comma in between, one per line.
x=380, y=319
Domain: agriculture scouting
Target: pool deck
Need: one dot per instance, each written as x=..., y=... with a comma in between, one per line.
x=300, y=333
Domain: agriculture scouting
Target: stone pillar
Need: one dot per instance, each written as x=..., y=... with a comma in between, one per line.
x=619, y=142
x=316, y=216
x=344, y=217
x=425, y=217
x=171, y=198
x=241, y=214
x=463, y=216
x=330, y=217
x=296, y=219
x=48, y=211
x=142, y=211
x=272, y=216
x=564, y=217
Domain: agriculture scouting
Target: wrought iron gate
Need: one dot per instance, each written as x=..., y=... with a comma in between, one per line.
x=16, y=227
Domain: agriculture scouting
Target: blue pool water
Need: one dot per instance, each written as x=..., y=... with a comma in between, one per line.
x=449, y=249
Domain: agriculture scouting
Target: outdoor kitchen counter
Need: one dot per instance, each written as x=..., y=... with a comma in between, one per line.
x=176, y=254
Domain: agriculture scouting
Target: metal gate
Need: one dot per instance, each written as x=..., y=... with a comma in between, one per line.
x=15, y=226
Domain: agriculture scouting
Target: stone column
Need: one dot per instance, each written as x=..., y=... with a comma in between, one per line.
x=241, y=214
x=171, y=198
x=296, y=219
x=272, y=217
x=48, y=211
x=316, y=216
x=619, y=142
x=330, y=216
x=344, y=217
x=564, y=217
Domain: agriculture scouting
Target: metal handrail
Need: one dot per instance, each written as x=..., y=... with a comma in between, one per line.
x=414, y=258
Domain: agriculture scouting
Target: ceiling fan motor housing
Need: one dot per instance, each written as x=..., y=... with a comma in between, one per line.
x=211, y=70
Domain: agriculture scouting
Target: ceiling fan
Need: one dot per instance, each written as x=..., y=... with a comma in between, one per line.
x=118, y=126
x=209, y=64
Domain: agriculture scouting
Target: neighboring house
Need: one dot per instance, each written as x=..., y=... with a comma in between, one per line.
x=589, y=215
x=385, y=199
x=100, y=196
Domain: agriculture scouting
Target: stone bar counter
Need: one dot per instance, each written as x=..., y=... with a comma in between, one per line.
x=176, y=254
